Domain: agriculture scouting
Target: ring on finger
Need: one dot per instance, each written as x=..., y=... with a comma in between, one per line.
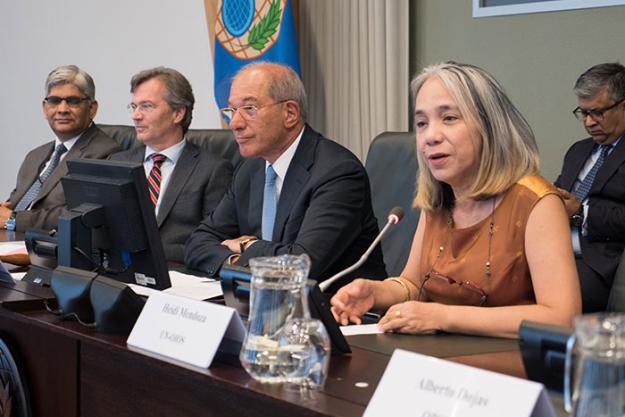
x=398, y=313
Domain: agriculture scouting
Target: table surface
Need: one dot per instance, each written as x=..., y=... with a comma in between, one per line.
x=107, y=371
x=94, y=373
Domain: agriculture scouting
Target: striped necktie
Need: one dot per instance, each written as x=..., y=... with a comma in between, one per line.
x=34, y=189
x=154, y=179
x=584, y=187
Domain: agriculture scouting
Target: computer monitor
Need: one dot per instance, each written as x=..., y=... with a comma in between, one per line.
x=543, y=348
x=111, y=227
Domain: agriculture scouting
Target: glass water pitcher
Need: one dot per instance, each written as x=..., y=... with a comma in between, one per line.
x=283, y=343
x=594, y=384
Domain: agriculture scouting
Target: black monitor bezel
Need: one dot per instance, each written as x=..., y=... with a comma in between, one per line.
x=543, y=349
x=91, y=172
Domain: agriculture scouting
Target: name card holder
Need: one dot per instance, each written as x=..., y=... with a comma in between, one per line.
x=422, y=386
x=185, y=330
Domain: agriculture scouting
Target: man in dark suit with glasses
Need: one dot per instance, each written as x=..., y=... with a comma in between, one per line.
x=69, y=106
x=592, y=182
x=298, y=192
x=185, y=181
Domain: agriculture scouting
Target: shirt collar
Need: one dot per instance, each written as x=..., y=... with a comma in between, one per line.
x=611, y=146
x=281, y=165
x=172, y=153
x=68, y=143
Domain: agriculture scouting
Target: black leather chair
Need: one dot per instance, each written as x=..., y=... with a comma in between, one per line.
x=124, y=135
x=392, y=168
x=218, y=141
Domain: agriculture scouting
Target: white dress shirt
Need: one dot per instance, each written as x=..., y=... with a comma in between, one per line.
x=172, y=155
x=281, y=165
x=68, y=145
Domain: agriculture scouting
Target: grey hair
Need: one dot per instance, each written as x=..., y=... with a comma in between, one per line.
x=609, y=75
x=179, y=93
x=284, y=84
x=71, y=74
x=509, y=151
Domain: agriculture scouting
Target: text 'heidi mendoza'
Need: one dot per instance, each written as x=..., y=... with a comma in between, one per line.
x=184, y=313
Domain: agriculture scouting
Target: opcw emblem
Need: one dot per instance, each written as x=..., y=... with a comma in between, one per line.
x=248, y=28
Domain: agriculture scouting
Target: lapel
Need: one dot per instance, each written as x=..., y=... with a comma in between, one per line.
x=578, y=159
x=296, y=177
x=256, y=191
x=61, y=170
x=31, y=174
x=612, y=163
x=182, y=172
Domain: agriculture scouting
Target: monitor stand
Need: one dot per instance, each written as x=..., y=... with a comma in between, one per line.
x=38, y=275
x=42, y=250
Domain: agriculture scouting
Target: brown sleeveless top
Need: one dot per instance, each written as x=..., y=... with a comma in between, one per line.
x=457, y=274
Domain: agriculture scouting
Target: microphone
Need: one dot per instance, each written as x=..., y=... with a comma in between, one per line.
x=394, y=217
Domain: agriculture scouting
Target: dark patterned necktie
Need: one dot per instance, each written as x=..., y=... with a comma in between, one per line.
x=34, y=189
x=154, y=179
x=584, y=187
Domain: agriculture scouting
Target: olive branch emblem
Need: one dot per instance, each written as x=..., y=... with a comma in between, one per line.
x=260, y=32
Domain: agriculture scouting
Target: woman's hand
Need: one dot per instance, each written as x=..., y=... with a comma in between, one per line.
x=571, y=203
x=413, y=317
x=352, y=301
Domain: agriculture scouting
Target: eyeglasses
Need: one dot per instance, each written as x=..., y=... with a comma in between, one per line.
x=595, y=114
x=72, y=101
x=455, y=292
x=248, y=112
x=145, y=107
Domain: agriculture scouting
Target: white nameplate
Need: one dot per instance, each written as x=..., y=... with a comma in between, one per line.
x=187, y=330
x=422, y=386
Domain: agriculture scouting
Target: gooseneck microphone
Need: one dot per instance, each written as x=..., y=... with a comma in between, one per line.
x=394, y=217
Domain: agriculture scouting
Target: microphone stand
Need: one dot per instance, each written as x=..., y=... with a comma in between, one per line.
x=393, y=218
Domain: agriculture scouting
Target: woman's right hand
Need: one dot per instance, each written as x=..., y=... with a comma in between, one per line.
x=352, y=301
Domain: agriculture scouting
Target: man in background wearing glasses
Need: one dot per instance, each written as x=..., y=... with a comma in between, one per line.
x=298, y=192
x=185, y=182
x=592, y=182
x=69, y=106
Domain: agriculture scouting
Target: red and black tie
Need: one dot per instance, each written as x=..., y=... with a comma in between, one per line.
x=154, y=180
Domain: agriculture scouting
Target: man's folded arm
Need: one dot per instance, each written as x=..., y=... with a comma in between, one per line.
x=203, y=250
x=43, y=219
x=331, y=223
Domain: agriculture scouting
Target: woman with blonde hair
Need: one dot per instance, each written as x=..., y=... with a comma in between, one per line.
x=492, y=246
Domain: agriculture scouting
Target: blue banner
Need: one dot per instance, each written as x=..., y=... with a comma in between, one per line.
x=248, y=31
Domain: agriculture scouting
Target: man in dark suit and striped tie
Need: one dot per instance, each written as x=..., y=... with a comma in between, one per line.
x=185, y=182
x=592, y=182
x=69, y=106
